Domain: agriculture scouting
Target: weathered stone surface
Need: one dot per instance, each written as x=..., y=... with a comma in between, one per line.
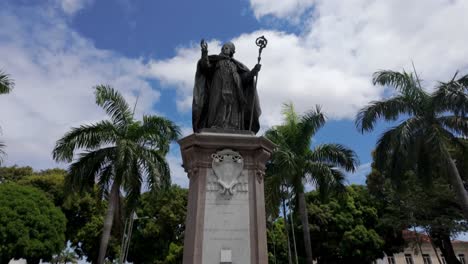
x=226, y=210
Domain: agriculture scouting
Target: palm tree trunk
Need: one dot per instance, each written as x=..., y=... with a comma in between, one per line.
x=305, y=227
x=457, y=184
x=293, y=234
x=108, y=222
x=442, y=240
x=287, y=231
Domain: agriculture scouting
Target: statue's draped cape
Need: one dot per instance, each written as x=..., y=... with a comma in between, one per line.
x=201, y=95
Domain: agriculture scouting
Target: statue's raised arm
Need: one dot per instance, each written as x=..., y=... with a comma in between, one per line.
x=204, y=48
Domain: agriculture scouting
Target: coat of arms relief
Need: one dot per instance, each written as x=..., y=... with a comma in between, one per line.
x=227, y=177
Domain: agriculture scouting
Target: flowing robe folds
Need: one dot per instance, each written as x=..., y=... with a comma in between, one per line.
x=223, y=95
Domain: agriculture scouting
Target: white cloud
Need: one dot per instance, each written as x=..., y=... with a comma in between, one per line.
x=70, y=7
x=178, y=174
x=54, y=69
x=280, y=8
x=360, y=175
x=332, y=60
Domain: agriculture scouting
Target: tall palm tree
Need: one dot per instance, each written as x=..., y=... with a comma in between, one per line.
x=430, y=123
x=6, y=85
x=296, y=163
x=118, y=153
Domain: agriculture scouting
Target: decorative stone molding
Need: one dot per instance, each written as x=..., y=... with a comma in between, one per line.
x=260, y=175
x=227, y=166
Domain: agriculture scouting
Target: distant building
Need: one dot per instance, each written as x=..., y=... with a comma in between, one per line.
x=423, y=252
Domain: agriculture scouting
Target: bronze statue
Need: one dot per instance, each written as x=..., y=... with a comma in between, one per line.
x=224, y=94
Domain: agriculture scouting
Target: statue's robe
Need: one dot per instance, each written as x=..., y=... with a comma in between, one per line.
x=223, y=95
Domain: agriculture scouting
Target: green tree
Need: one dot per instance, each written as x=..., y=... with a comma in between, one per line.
x=31, y=227
x=14, y=173
x=49, y=181
x=295, y=161
x=162, y=221
x=348, y=229
x=431, y=122
x=277, y=242
x=83, y=227
x=6, y=85
x=119, y=153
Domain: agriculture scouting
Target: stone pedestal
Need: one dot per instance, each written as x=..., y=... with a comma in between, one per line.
x=226, y=205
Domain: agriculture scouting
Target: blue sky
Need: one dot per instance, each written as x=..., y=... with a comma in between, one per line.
x=319, y=52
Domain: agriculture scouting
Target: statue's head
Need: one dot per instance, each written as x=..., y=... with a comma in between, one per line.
x=228, y=49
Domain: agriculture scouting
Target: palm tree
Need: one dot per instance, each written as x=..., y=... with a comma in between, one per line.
x=295, y=162
x=6, y=85
x=431, y=122
x=118, y=153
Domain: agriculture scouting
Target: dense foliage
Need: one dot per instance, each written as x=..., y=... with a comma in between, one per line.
x=31, y=227
x=162, y=221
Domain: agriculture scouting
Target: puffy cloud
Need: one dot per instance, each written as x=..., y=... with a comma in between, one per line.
x=70, y=7
x=331, y=61
x=54, y=69
x=280, y=8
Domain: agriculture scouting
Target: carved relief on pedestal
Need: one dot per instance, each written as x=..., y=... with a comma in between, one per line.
x=227, y=177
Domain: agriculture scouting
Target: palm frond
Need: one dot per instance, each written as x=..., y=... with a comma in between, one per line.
x=336, y=155
x=452, y=96
x=402, y=81
x=455, y=124
x=89, y=166
x=157, y=133
x=463, y=80
x=289, y=114
x=114, y=104
x=6, y=84
x=312, y=121
x=326, y=178
x=397, y=144
x=105, y=180
x=388, y=110
x=276, y=136
x=133, y=185
x=333, y=181
x=88, y=137
x=273, y=192
x=155, y=168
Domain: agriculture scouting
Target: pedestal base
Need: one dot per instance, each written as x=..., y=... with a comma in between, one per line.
x=226, y=206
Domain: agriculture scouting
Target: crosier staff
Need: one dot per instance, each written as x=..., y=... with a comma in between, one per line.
x=261, y=43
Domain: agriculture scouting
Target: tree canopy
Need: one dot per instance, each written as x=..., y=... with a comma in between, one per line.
x=31, y=227
x=162, y=221
x=348, y=229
